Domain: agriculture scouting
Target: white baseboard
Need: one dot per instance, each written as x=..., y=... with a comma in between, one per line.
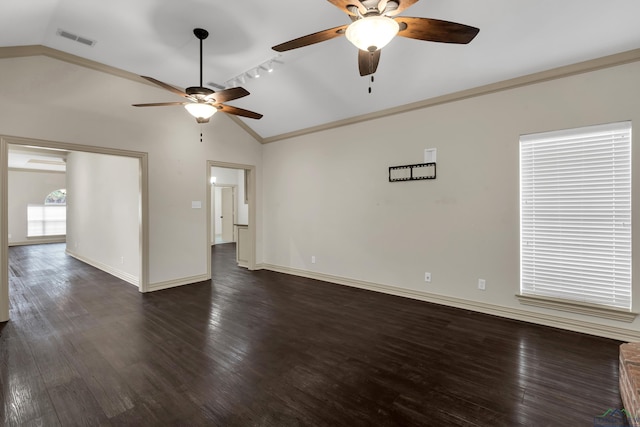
x=39, y=241
x=590, y=328
x=177, y=282
x=127, y=277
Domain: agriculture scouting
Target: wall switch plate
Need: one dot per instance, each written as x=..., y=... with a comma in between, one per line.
x=313, y=259
x=482, y=284
x=430, y=155
x=427, y=277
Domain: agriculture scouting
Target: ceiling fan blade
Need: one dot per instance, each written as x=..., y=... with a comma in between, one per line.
x=343, y=5
x=402, y=5
x=238, y=111
x=228, y=94
x=165, y=86
x=160, y=104
x=311, y=39
x=435, y=30
x=368, y=61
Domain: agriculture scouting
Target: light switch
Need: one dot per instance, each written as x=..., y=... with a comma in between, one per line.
x=196, y=205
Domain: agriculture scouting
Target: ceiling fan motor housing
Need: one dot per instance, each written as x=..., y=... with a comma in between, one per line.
x=198, y=91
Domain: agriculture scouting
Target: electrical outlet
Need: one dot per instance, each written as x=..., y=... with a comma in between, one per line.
x=482, y=284
x=427, y=277
x=121, y=260
x=313, y=259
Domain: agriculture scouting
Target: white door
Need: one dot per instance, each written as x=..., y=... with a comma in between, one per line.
x=226, y=214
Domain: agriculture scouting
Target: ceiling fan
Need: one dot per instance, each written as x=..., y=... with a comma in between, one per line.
x=374, y=25
x=204, y=102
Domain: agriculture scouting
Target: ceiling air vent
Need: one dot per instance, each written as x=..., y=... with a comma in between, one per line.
x=75, y=37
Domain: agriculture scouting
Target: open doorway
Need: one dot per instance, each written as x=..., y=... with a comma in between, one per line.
x=231, y=209
x=138, y=255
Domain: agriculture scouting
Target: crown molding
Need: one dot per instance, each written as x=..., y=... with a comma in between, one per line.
x=39, y=50
x=530, y=79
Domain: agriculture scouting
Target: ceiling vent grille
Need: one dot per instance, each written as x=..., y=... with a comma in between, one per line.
x=75, y=37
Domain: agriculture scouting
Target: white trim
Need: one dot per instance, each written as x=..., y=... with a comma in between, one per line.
x=127, y=277
x=495, y=310
x=177, y=282
x=39, y=241
x=577, y=307
x=4, y=231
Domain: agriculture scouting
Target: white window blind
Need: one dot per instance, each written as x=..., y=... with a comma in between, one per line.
x=575, y=215
x=46, y=220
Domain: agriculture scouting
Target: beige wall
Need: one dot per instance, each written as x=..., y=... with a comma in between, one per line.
x=49, y=99
x=28, y=187
x=103, y=212
x=327, y=194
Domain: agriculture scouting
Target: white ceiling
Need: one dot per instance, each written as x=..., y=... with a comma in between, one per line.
x=37, y=158
x=320, y=84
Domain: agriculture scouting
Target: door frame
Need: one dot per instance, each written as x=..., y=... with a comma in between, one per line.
x=250, y=182
x=143, y=211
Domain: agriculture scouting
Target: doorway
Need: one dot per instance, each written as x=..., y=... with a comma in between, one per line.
x=236, y=184
x=142, y=249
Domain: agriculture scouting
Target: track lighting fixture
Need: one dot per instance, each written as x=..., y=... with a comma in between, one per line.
x=256, y=72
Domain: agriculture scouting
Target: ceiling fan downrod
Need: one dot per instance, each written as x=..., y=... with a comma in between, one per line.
x=200, y=34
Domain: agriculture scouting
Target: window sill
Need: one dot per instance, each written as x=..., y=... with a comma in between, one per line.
x=577, y=307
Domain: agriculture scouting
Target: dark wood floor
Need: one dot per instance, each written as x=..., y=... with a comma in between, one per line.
x=268, y=349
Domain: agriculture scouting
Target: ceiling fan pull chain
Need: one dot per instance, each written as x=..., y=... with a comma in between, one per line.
x=371, y=70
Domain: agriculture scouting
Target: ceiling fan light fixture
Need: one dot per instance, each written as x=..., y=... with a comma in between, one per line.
x=201, y=111
x=372, y=33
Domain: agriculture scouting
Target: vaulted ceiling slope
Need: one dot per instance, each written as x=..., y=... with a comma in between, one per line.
x=320, y=84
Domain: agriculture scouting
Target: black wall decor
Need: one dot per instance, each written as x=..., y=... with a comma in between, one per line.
x=412, y=172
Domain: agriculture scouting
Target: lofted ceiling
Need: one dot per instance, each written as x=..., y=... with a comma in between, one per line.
x=320, y=84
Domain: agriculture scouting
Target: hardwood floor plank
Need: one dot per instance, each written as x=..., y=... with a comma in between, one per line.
x=26, y=401
x=268, y=349
x=75, y=405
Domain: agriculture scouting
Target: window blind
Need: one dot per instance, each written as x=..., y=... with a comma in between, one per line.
x=46, y=220
x=575, y=215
